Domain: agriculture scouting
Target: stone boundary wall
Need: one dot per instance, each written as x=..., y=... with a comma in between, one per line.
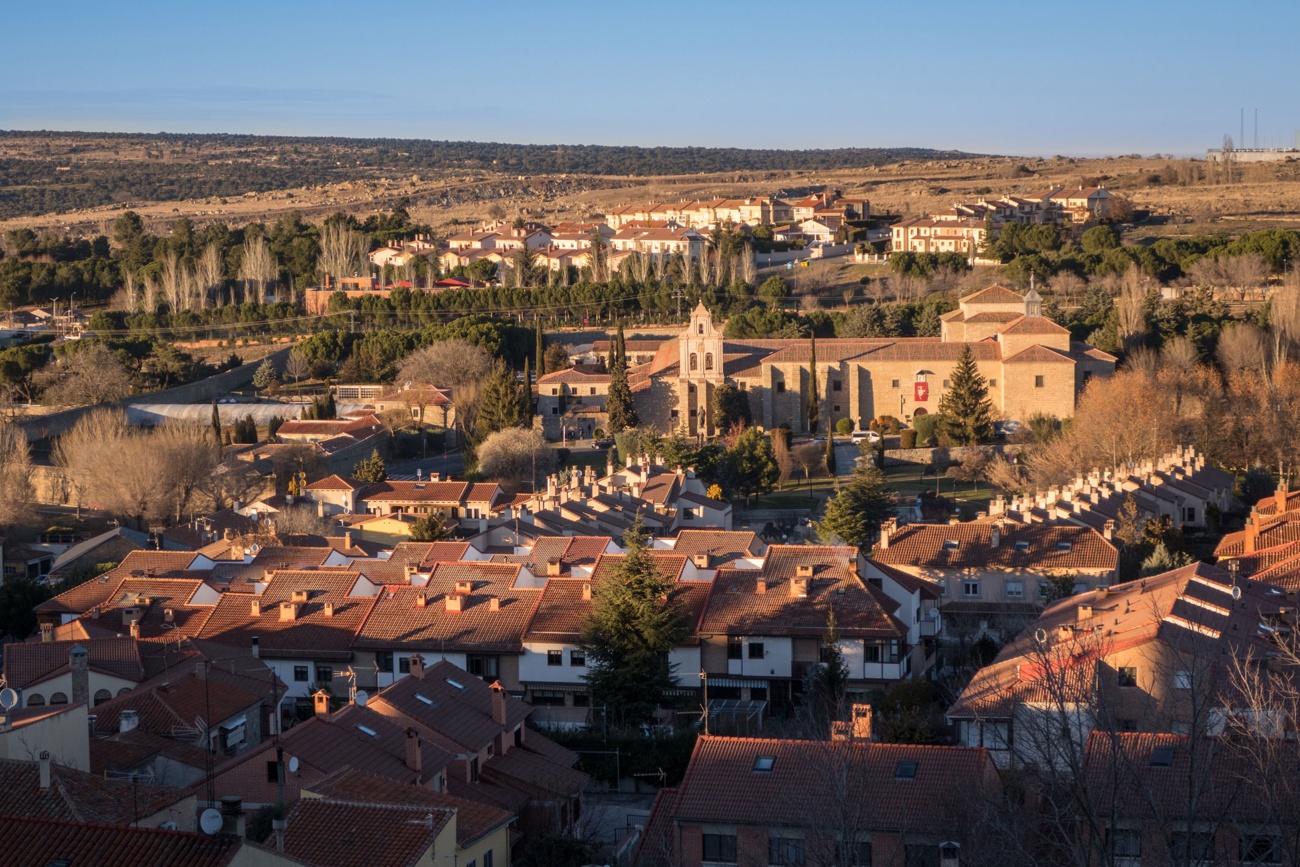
x=954, y=455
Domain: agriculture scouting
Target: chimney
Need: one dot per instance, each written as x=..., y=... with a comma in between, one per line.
x=995, y=536
x=169, y=616
x=887, y=529
x=804, y=570
x=1251, y=541
x=494, y=604
x=135, y=630
x=320, y=700
x=421, y=600
x=455, y=602
x=257, y=651
x=278, y=826
x=799, y=587
x=329, y=609
x=414, y=759
x=861, y=722
x=232, y=815
x=1085, y=612
x=410, y=570
x=127, y=720
x=760, y=587
x=465, y=587
x=701, y=561
x=498, y=704
x=553, y=567
x=347, y=539
x=1108, y=530
x=417, y=665
x=300, y=596
x=586, y=591
x=79, y=663
x=288, y=611
x=45, y=771
x=255, y=608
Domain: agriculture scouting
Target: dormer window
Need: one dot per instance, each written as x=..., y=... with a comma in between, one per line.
x=950, y=544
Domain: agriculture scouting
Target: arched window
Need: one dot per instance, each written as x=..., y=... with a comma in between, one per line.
x=102, y=696
x=694, y=361
x=36, y=700
x=123, y=691
x=708, y=361
x=59, y=698
x=701, y=327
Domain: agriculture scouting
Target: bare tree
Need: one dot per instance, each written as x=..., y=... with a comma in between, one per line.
x=208, y=277
x=455, y=364
x=231, y=481
x=257, y=269
x=296, y=366
x=1067, y=285
x=15, y=474
x=1242, y=347
x=187, y=459
x=172, y=281
x=808, y=457
x=1131, y=305
x=748, y=266
x=514, y=456
x=300, y=520
x=1284, y=316
x=342, y=250
x=90, y=375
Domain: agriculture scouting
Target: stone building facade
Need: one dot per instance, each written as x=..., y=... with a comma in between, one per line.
x=1030, y=363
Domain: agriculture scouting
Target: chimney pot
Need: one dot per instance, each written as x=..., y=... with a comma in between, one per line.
x=417, y=665
x=45, y=770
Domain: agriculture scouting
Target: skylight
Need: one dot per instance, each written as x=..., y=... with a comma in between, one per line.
x=369, y=731
x=454, y=683
x=950, y=543
x=1022, y=545
x=905, y=771
x=764, y=764
x=1065, y=546
x=1162, y=757
x=424, y=699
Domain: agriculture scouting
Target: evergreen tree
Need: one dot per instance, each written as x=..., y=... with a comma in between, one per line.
x=826, y=683
x=264, y=375
x=629, y=634
x=621, y=360
x=216, y=424
x=502, y=404
x=752, y=463
x=430, y=528
x=830, y=452
x=618, y=403
x=965, y=408
x=814, y=399
x=853, y=515
x=540, y=340
x=245, y=430
x=613, y=355
x=371, y=469
x=730, y=405
x=273, y=426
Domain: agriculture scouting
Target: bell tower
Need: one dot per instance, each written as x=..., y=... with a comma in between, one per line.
x=701, y=348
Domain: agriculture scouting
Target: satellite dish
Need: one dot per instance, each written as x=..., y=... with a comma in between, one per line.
x=293, y=764
x=8, y=698
x=362, y=697
x=210, y=821
x=1040, y=635
x=1236, y=593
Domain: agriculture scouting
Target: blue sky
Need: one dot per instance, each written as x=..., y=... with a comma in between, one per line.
x=1041, y=77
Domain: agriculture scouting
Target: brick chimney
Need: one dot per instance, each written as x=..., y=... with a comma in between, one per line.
x=1085, y=612
x=417, y=665
x=255, y=608
x=1108, y=530
x=553, y=567
x=455, y=602
x=494, y=603
x=321, y=704
x=79, y=663
x=995, y=536
x=414, y=759
x=498, y=704
x=586, y=591
x=1251, y=542
x=760, y=587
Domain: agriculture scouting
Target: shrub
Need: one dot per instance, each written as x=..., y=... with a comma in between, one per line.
x=908, y=438
x=844, y=427
x=925, y=426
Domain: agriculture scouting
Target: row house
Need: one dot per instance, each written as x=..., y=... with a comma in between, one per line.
x=1180, y=486
x=929, y=235
x=447, y=499
x=1148, y=655
x=992, y=577
x=829, y=205
x=665, y=242
x=844, y=801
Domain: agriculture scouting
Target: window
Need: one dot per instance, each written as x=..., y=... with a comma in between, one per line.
x=383, y=661
x=324, y=674
x=300, y=673
x=785, y=851
x=547, y=698
x=1021, y=545
x=555, y=391
x=1124, y=842
x=945, y=383
x=1182, y=680
x=688, y=514
x=695, y=361
x=701, y=328
x=1260, y=849
x=734, y=647
x=921, y=855
x=487, y=858
x=1162, y=757
x=578, y=658
x=485, y=667
x=835, y=408
x=756, y=650
x=993, y=383
x=1196, y=845
x=1038, y=381
x=102, y=696
x=871, y=653
x=1189, y=515
x=780, y=388
x=581, y=699
x=1015, y=589
x=708, y=361
x=36, y=700
x=837, y=385
x=905, y=771
x=859, y=854
x=473, y=770
x=1128, y=675
x=555, y=410
x=1044, y=588
x=893, y=383
x=719, y=848
x=764, y=764
x=970, y=588
x=593, y=389
x=404, y=665
x=555, y=657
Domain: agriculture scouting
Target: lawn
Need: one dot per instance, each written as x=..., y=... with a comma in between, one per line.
x=909, y=483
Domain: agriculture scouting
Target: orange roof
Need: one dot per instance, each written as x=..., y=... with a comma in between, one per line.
x=353, y=834
x=1035, y=547
x=995, y=294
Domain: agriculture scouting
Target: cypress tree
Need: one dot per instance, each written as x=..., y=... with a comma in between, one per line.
x=618, y=403
x=965, y=411
x=540, y=340
x=830, y=451
x=621, y=360
x=216, y=424
x=814, y=399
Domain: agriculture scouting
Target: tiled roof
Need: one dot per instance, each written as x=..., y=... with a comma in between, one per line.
x=529, y=770
x=995, y=294
x=737, y=608
x=562, y=612
x=721, y=784
x=44, y=842
x=569, y=375
x=312, y=634
x=451, y=703
x=77, y=796
x=398, y=618
x=343, y=741
x=31, y=663
x=163, y=708
x=474, y=820
x=1039, y=354
x=1037, y=547
x=1034, y=325
x=422, y=492
x=236, y=575
x=722, y=546
x=335, y=483
x=146, y=563
x=334, y=833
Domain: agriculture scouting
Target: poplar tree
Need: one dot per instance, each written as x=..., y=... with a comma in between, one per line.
x=965, y=410
x=618, y=403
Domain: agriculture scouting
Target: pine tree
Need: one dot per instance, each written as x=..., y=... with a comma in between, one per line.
x=853, y=515
x=264, y=375
x=965, y=408
x=814, y=399
x=371, y=469
x=629, y=634
x=501, y=406
x=216, y=424
x=430, y=528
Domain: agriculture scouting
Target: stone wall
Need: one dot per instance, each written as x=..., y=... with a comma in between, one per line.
x=954, y=455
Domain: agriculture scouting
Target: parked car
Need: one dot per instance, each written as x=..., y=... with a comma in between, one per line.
x=869, y=435
x=606, y=443
x=1007, y=427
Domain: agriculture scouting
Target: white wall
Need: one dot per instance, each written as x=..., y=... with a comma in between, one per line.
x=777, y=661
x=533, y=667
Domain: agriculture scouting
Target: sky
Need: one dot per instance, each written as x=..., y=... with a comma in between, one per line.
x=1032, y=78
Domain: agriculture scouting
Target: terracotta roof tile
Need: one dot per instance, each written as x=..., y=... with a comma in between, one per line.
x=1038, y=547
x=78, y=796
x=42, y=842
x=995, y=294
x=451, y=703
x=350, y=834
